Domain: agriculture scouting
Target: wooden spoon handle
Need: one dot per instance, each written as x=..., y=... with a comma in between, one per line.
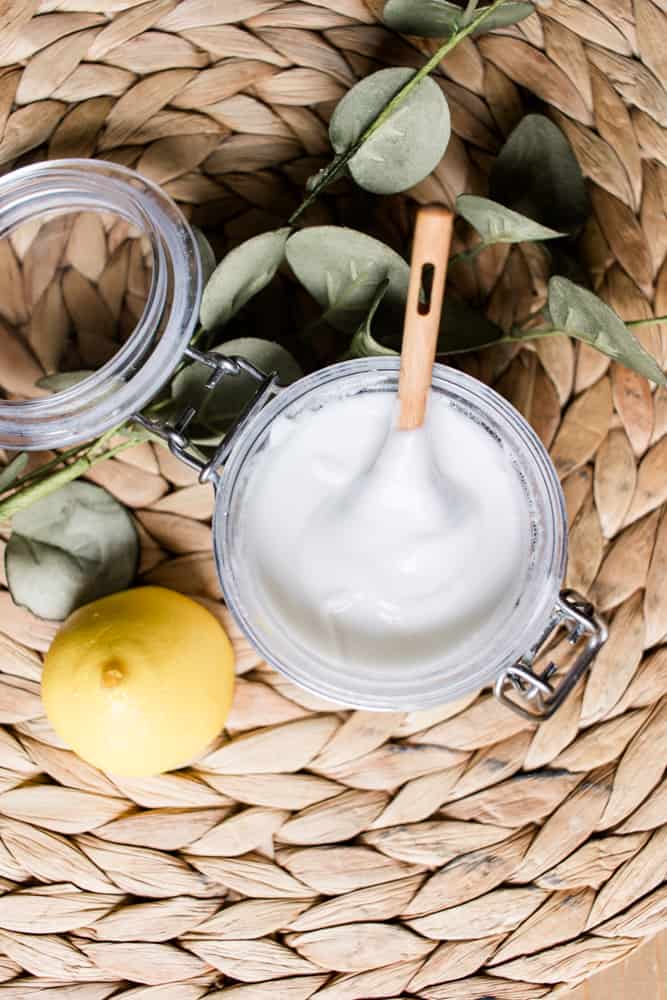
x=433, y=236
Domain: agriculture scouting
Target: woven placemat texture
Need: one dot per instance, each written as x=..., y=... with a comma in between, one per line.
x=453, y=853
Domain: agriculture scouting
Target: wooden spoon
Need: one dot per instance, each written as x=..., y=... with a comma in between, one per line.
x=428, y=266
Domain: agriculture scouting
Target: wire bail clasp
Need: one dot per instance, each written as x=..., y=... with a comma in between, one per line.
x=532, y=695
x=175, y=434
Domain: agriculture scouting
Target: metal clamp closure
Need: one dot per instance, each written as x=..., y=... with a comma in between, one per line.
x=532, y=695
x=175, y=434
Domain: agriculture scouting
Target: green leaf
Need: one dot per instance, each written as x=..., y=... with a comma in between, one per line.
x=497, y=224
x=60, y=381
x=342, y=269
x=438, y=19
x=12, y=471
x=218, y=409
x=206, y=255
x=537, y=174
x=245, y=271
x=503, y=17
x=354, y=274
x=407, y=146
x=364, y=344
x=426, y=18
x=464, y=329
x=584, y=316
x=70, y=548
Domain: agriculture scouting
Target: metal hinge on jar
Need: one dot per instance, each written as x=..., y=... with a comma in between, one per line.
x=175, y=434
x=532, y=695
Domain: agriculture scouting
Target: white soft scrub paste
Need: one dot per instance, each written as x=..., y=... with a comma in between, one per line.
x=375, y=547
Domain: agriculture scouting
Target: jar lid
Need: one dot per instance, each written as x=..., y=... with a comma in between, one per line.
x=106, y=197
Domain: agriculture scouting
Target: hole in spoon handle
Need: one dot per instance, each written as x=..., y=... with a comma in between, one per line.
x=430, y=252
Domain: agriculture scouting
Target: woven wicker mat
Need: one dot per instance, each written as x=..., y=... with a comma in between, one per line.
x=455, y=853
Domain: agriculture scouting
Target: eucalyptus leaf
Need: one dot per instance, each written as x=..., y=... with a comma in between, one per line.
x=503, y=17
x=342, y=269
x=12, y=471
x=60, y=381
x=206, y=255
x=244, y=272
x=537, y=174
x=364, y=344
x=407, y=146
x=68, y=549
x=497, y=224
x=584, y=316
x=426, y=18
x=462, y=329
x=437, y=18
x=219, y=408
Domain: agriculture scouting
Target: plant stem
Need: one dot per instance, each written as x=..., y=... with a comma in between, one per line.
x=469, y=11
x=536, y=334
x=44, y=487
x=39, y=472
x=635, y=323
x=87, y=448
x=333, y=170
x=513, y=338
x=100, y=443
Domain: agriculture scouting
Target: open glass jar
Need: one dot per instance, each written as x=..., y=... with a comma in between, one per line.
x=143, y=363
x=505, y=657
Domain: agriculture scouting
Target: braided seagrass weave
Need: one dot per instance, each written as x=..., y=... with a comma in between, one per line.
x=453, y=853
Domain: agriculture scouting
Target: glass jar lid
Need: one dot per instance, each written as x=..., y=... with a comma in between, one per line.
x=58, y=219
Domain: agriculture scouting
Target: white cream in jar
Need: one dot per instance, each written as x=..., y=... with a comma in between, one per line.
x=372, y=546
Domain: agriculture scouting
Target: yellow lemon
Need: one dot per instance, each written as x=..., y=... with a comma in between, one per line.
x=139, y=682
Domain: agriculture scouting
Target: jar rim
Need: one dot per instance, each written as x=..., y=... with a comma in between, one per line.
x=143, y=364
x=535, y=612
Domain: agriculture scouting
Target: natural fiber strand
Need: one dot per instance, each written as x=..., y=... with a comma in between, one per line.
x=313, y=852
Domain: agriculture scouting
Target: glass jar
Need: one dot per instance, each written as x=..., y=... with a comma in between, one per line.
x=33, y=196
x=505, y=659
x=143, y=364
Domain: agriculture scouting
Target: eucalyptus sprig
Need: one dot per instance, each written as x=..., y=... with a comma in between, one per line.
x=366, y=109
x=387, y=133
x=363, y=115
x=24, y=490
